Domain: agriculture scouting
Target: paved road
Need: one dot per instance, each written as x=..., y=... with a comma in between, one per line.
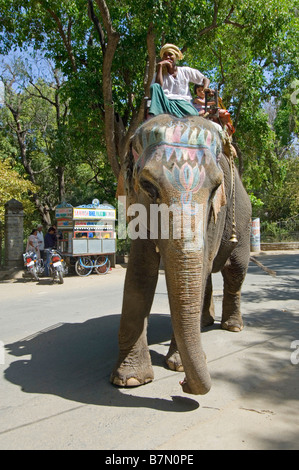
x=61, y=344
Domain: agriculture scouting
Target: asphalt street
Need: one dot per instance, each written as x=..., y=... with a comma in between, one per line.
x=58, y=345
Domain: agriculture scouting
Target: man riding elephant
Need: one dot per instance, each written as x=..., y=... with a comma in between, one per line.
x=170, y=93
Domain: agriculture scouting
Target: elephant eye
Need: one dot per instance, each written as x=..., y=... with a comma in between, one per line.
x=149, y=188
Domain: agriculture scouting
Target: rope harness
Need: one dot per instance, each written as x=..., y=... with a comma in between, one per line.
x=213, y=113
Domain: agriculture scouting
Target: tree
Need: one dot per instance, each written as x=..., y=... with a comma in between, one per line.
x=107, y=51
x=52, y=145
x=18, y=116
x=12, y=185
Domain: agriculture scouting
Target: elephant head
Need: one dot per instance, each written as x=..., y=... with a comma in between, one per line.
x=176, y=166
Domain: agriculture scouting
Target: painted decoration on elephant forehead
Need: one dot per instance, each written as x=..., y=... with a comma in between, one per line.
x=181, y=141
x=189, y=146
x=187, y=180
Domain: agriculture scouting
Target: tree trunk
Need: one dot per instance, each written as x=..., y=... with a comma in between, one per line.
x=61, y=183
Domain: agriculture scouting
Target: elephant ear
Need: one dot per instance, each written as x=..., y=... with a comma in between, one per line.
x=219, y=200
x=125, y=183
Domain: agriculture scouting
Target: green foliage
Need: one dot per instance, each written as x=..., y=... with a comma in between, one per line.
x=13, y=186
x=280, y=231
x=248, y=48
x=84, y=184
x=256, y=204
x=123, y=246
x=286, y=123
x=56, y=139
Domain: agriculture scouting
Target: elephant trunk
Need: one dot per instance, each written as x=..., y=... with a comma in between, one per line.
x=184, y=276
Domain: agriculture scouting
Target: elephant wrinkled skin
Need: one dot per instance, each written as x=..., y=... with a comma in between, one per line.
x=178, y=164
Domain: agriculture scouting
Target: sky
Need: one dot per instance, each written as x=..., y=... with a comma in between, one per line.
x=36, y=64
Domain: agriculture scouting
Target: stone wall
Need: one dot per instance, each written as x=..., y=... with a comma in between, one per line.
x=279, y=246
x=13, y=234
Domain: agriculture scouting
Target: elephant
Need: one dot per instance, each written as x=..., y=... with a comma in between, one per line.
x=180, y=163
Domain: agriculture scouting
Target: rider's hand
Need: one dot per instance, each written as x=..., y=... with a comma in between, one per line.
x=164, y=62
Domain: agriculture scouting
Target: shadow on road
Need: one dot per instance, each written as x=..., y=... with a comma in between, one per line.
x=74, y=361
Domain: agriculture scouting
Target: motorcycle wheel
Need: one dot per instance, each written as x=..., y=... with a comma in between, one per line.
x=60, y=277
x=64, y=268
x=34, y=274
x=52, y=274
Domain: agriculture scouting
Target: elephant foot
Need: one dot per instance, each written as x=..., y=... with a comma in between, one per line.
x=129, y=382
x=234, y=325
x=132, y=372
x=207, y=320
x=173, y=358
x=174, y=362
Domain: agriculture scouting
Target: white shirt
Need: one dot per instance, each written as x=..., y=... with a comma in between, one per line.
x=40, y=237
x=177, y=88
x=34, y=241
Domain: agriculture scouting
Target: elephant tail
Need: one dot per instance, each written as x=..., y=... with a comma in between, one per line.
x=260, y=265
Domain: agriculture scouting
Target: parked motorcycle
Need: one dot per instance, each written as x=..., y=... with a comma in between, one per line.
x=57, y=266
x=34, y=265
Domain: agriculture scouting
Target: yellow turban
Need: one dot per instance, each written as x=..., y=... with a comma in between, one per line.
x=173, y=49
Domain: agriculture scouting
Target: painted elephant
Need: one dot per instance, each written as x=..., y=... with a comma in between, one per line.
x=179, y=164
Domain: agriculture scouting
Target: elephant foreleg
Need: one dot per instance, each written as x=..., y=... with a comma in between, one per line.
x=208, y=311
x=134, y=367
x=233, y=275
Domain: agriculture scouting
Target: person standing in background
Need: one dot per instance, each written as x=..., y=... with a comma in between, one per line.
x=41, y=242
x=32, y=243
x=50, y=242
